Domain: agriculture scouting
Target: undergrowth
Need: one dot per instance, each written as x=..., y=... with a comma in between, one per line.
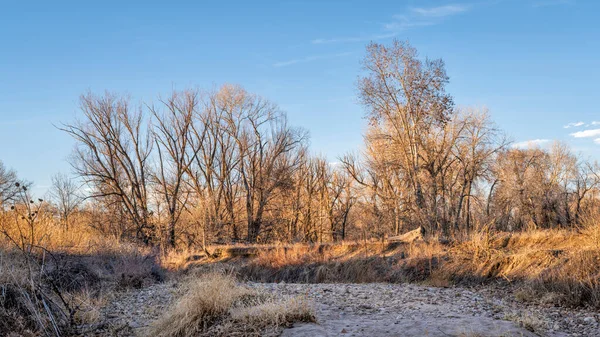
x=555, y=266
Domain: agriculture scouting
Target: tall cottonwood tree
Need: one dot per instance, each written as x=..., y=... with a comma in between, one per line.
x=112, y=156
x=408, y=95
x=423, y=158
x=173, y=130
x=269, y=150
x=213, y=174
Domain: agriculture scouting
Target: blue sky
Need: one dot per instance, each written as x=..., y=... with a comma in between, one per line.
x=533, y=63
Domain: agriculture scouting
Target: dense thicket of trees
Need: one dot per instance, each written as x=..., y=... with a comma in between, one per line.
x=225, y=165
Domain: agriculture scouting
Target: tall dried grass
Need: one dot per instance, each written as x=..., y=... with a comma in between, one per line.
x=216, y=305
x=53, y=281
x=558, y=265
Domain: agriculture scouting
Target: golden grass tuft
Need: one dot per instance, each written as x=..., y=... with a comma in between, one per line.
x=215, y=305
x=205, y=302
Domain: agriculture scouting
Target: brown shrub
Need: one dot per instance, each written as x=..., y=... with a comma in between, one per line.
x=49, y=293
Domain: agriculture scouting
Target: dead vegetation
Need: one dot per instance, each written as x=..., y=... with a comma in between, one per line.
x=62, y=288
x=215, y=305
x=53, y=281
x=551, y=266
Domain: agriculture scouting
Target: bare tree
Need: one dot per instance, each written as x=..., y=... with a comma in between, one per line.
x=172, y=134
x=64, y=195
x=112, y=156
x=475, y=150
x=409, y=96
x=269, y=150
x=9, y=185
x=215, y=157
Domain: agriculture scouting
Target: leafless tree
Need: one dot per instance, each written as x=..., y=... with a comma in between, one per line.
x=65, y=196
x=172, y=135
x=9, y=185
x=268, y=150
x=408, y=95
x=112, y=156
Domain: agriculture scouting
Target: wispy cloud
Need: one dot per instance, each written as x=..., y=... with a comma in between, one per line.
x=354, y=38
x=441, y=11
x=309, y=59
x=586, y=133
x=412, y=18
x=403, y=22
x=573, y=125
x=532, y=143
x=546, y=3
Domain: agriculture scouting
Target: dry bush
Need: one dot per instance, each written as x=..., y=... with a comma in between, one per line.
x=61, y=294
x=590, y=229
x=560, y=267
x=269, y=316
x=27, y=306
x=53, y=281
x=574, y=279
x=204, y=303
x=215, y=305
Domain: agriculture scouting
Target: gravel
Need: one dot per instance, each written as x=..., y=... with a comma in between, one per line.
x=378, y=309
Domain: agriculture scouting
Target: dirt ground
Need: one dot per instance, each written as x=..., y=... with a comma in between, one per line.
x=383, y=310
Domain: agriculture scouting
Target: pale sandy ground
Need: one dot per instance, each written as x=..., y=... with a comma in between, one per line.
x=385, y=310
x=412, y=310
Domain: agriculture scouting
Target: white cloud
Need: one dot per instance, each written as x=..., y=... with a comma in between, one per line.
x=586, y=133
x=532, y=143
x=575, y=124
x=412, y=18
x=595, y=123
x=309, y=59
x=354, y=38
x=441, y=11
x=403, y=22
x=597, y=140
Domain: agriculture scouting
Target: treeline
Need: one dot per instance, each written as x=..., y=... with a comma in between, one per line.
x=202, y=167
x=221, y=165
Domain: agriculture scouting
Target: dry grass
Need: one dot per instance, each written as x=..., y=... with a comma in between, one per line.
x=347, y=262
x=26, y=307
x=54, y=282
x=554, y=266
x=560, y=267
x=215, y=305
